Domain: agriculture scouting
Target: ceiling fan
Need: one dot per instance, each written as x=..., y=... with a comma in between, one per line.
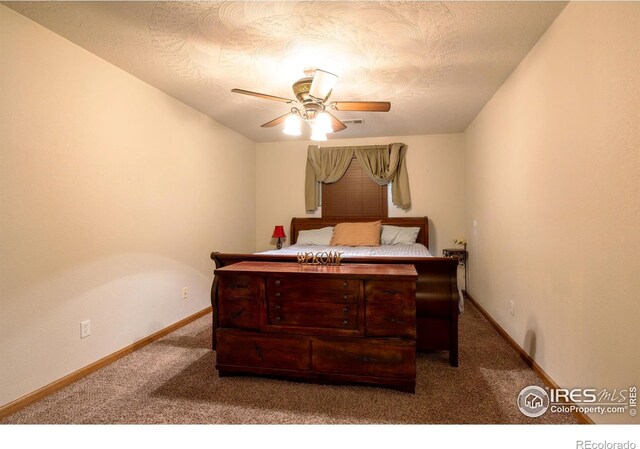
x=312, y=93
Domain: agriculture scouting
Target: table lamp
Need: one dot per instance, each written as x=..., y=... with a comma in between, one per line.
x=278, y=233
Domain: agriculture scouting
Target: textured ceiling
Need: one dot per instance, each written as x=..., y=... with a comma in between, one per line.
x=437, y=63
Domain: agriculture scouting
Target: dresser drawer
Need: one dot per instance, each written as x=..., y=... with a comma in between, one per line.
x=296, y=289
x=313, y=314
x=390, y=291
x=264, y=351
x=390, y=320
x=239, y=313
x=240, y=286
x=364, y=357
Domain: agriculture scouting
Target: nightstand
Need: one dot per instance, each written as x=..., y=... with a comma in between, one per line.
x=461, y=255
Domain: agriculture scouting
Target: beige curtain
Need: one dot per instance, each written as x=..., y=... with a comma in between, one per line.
x=383, y=164
x=324, y=165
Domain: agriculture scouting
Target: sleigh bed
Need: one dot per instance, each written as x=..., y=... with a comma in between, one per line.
x=438, y=300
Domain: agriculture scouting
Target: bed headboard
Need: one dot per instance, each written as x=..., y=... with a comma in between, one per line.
x=303, y=224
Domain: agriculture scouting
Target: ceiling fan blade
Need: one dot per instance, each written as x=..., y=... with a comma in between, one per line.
x=322, y=84
x=276, y=121
x=336, y=124
x=365, y=106
x=259, y=95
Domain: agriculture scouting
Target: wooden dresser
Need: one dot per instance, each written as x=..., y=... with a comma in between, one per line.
x=351, y=323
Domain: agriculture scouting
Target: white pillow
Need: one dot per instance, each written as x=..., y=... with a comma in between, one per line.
x=398, y=235
x=315, y=236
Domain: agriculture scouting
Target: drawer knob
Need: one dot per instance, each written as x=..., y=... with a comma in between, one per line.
x=345, y=322
x=345, y=284
x=277, y=294
x=278, y=307
x=345, y=309
x=345, y=297
x=258, y=349
x=277, y=282
x=278, y=318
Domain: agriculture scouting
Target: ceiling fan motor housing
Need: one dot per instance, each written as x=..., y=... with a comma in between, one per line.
x=301, y=89
x=312, y=106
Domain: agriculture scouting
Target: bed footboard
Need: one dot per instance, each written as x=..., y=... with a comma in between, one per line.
x=436, y=296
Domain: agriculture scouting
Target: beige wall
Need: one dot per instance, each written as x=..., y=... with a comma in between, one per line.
x=553, y=184
x=435, y=164
x=112, y=195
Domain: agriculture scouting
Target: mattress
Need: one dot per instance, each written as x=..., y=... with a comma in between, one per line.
x=412, y=250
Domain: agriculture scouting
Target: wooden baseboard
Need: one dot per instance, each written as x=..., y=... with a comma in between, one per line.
x=40, y=393
x=582, y=418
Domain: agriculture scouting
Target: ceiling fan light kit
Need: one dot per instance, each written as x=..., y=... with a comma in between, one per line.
x=292, y=125
x=323, y=123
x=317, y=135
x=312, y=93
x=320, y=125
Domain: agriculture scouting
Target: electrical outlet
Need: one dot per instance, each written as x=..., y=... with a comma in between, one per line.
x=85, y=328
x=512, y=308
x=185, y=292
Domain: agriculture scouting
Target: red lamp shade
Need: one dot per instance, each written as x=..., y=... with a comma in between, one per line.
x=278, y=232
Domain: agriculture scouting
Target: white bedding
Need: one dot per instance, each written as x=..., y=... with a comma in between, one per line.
x=411, y=250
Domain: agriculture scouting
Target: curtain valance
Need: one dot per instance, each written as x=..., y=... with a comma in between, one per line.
x=383, y=164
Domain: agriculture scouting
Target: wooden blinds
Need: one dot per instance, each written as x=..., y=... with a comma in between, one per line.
x=354, y=195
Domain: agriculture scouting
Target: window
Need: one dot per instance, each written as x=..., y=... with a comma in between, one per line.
x=354, y=195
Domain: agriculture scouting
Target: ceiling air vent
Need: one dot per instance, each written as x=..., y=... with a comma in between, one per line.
x=355, y=121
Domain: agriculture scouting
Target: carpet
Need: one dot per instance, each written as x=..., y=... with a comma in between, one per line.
x=173, y=381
